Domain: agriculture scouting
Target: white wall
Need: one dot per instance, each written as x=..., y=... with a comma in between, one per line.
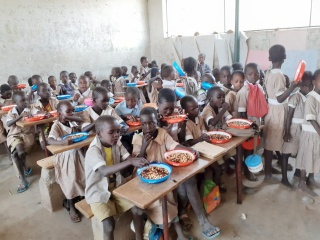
x=47, y=36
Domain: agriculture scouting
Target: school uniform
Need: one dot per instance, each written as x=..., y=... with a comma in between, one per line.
x=230, y=98
x=242, y=101
x=153, y=95
x=162, y=143
x=195, y=129
x=208, y=113
x=168, y=84
x=18, y=135
x=201, y=97
x=67, y=88
x=122, y=110
x=203, y=69
x=144, y=70
x=296, y=101
x=83, y=96
x=191, y=86
x=119, y=84
x=3, y=122
x=99, y=189
x=275, y=85
x=57, y=91
x=69, y=165
x=308, y=157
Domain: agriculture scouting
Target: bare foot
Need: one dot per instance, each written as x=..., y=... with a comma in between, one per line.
x=305, y=189
x=271, y=180
x=286, y=183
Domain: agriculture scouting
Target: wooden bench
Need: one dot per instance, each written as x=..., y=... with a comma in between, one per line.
x=84, y=208
x=46, y=163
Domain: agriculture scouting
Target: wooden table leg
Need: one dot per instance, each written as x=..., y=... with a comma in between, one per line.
x=165, y=218
x=239, y=173
x=44, y=140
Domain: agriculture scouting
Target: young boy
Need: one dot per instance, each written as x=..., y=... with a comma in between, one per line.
x=55, y=89
x=107, y=85
x=93, y=81
x=66, y=86
x=225, y=78
x=13, y=82
x=144, y=70
x=134, y=74
x=124, y=71
x=33, y=96
x=202, y=93
x=104, y=159
x=168, y=77
x=73, y=79
x=5, y=100
x=154, y=86
x=203, y=68
x=20, y=140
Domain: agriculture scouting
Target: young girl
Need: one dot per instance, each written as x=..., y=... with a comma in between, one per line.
x=144, y=69
x=66, y=86
x=237, y=81
x=309, y=154
x=293, y=124
x=55, y=89
x=20, y=140
x=13, y=81
x=134, y=74
x=225, y=78
x=118, y=82
x=83, y=91
x=154, y=86
x=190, y=83
x=69, y=165
x=202, y=93
x=101, y=107
x=33, y=96
x=107, y=85
x=275, y=86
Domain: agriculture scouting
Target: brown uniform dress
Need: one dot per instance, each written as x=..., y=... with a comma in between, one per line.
x=69, y=165
x=84, y=95
x=3, y=123
x=195, y=129
x=155, y=152
x=231, y=100
x=308, y=157
x=119, y=84
x=208, y=113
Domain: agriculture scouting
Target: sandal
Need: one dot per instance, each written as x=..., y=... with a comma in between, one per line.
x=23, y=187
x=65, y=204
x=216, y=231
x=28, y=172
x=75, y=218
x=185, y=222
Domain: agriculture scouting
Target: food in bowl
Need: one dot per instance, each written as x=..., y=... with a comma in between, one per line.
x=75, y=136
x=180, y=157
x=154, y=173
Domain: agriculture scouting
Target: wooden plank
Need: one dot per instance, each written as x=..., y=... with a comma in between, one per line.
x=30, y=124
x=208, y=150
x=46, y=163
x=84, y=208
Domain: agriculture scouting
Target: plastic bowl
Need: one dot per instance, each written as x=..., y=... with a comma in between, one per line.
x=178, y=68
x=180, y=92
x=162, y=165
x=84, y=135
x=175, y=118
x=141, y=82
x=80, y=108
x=35, y=118
x=176, y=164
x=89, y=102
x=63, y=97
x=206, y=86
x=34, y=87
x=21, y=86
x=133, y=124
x=299, y=71
x=8, y=108
x=249, y=144
x=254, y=163
x=179, y=85
x=220, y=133
x=131, y=84
x=245, y=121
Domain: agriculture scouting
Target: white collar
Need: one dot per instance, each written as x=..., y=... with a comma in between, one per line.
x=315, y=95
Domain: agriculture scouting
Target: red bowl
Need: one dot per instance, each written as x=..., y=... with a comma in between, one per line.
x=21, y=86
x=8, y=108
x=133, y=124
x=247, y=123
x=35, y=118
x=141, y=82
x=178, y=164
x=222, y=133
x=299, y=71
x=179, y=85
x=175, y=118
x=249, y=144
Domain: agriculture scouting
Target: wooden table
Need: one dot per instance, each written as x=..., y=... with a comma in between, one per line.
x=143, y=195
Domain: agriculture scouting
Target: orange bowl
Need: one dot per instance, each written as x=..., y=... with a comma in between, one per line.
x=175, y=118
x=249, y=144
x=239, y=123
x=141, y=82
x=220, y=137
x=35, y=118
x=8, y=108
x=179, y=85
x=21, y=86
x=133, y=124
x=192, y=157
x=54, y=113
x=299, y=71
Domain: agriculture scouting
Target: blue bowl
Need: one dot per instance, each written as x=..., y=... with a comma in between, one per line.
x=178, y=68
x=167, y=167
x=180, y=92
x=131, y=84
x=111, y=101
x=79, y=139
x=80, y=108
x=63, y=97
x=206, y=85
x=34, y=87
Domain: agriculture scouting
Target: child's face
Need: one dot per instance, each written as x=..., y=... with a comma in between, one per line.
x=225, y=77
x=192, y=109
x=306, y=87
x=237, y=82
x=145, y=63
x=64, y=77
x=166, y=108
x=217, y=99
x=36, y=81
x=66, y=110
x=83, y=85
x=107, y=86
x=252, y=75
x=201, y=59
x=22, y=102
x=149, y=123
x=110, y=134
x=7, y=94
x=90, y=75
x=53, y=82
x=102, y=102
x=134, y=71
x=131, y=100
x=316, y=84
x=73, y=78
x=13, y=81
x=44, y=92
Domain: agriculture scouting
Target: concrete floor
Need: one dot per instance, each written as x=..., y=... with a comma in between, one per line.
x=272, y=213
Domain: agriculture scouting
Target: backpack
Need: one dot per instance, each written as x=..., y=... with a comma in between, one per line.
x=257, y=104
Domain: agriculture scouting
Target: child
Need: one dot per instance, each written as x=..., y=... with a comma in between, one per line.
x=237, y=81
x=73, y=79
x=144, y=70
x=190, y=83
x=67, y=88
x=83, y=91
x=152, y=145
x=215, y=114
x=202, y=67
x=188, y=190
x=202, y=93
x=216, y=74
x=130, y=108
x=93, y=81
x=20, y=140
x=275, y=86
x=69, y=165
x=154, y=72
x=293, y=124
x=154, y=64
x=101, y=107
x=30, y=82
x=237, y=66
x=225, y=78
x=107, y=85
x=13, y=82
x=55, y=89
x=134, y=74
x=33, y=96
x=168, y=77
x=154, y=86
x=124, y=71
x=118, y=82
x=104, y=160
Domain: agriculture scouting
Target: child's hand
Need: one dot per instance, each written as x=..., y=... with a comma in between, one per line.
x=205, y=137
x=225, y=106
x=76, y=97
x=123, y=129
x=146, y=139
x=287, y=137
x=195, y=152
x=131, y=118
x=67, y=141
x=27, y=114
x=139, y=162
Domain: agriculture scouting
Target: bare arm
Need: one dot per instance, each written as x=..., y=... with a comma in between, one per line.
x=287, y=125
x=52, y=141
x=316, y=126
x=13, y=121
x=150, y=82
x=203, y=137
x=219, y=116
x=182, y=133
x=287, y=93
